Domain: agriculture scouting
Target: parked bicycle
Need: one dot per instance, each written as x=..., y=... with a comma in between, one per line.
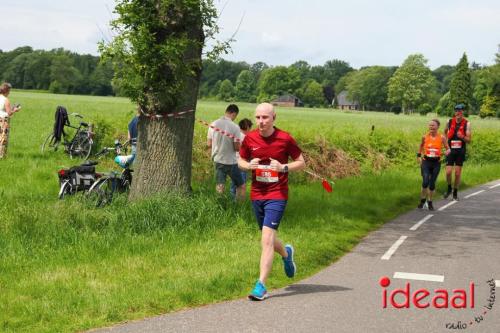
x=101, y=192
x=77, y=178
x=80, y=145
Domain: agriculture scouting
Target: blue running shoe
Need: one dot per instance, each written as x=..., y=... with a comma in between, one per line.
x=259, y=292
x=288, y=262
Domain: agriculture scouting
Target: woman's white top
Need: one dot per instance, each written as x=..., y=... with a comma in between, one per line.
x=3, y=112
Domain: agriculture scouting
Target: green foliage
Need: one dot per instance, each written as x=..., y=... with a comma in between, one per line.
x=461, y=85
x=443, y=75
x=304, y=69
x=219, y=70
x=158, y=48
x=312, y=94
x=104, y=133
x=488, y=109
x=226, y=91
x=344, y=81
x=26, y=68
x=63, y=72
x=333, y=70
x=56, y=88
x=485, y=81
x=424, y=109
x=245, y=86
x=442, y=107
x=368, y=86
x=412, y=84
x=396, y=109
x=276, y=81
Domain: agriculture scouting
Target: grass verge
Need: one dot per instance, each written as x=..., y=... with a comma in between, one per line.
x=67, y=267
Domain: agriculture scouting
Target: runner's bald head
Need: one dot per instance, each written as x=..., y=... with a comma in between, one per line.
x=266, y=108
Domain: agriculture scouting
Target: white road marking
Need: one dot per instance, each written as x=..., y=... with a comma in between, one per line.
x=497, y=283
x=494, y=186
x=473, y=194
x=419, y=223
x=393, y=248
x=447, y=205
x=420, y=277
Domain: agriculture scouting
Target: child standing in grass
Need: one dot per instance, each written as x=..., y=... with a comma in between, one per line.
x=266, y=151
x=6, y=111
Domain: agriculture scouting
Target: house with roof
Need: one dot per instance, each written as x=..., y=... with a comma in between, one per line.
x=343, y=103
x=287, y=100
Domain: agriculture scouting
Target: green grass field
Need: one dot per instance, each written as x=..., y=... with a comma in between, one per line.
x=66, y=266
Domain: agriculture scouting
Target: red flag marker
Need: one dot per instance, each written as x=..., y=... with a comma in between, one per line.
x=327, y=186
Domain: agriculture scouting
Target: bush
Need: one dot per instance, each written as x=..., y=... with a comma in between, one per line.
x=56, y=88
x=488, y=107
x=424, y=109
x=103, y=131
x=396, y=109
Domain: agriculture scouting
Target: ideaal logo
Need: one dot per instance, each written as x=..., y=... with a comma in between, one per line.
x=438, y=299
x=423, y=298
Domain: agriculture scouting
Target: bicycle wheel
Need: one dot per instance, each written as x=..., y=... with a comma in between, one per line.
x=101, y=192
x=80, y=147
x=65, y=189
x=50, y=143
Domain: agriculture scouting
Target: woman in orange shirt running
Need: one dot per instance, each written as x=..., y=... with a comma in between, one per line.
x=429, y=158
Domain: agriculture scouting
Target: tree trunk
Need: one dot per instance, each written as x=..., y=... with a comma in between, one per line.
x=165, y=144
x=164, y=156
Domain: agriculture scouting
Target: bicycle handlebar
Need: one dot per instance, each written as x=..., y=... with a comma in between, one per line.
x=74, y=114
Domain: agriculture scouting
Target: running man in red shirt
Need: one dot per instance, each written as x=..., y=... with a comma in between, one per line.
x=266, y=151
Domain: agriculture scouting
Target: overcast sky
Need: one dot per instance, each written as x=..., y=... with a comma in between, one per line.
x=280, y=32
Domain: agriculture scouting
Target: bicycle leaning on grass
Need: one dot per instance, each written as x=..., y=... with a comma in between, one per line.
x=101, y=192
x=80, y=144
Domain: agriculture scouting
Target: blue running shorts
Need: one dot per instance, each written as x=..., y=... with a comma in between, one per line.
x=269, y=212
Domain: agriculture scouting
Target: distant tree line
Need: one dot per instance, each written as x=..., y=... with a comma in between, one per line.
x=411, y=87
x=58, y=71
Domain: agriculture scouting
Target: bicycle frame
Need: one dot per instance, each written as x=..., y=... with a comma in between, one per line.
x=77, y=133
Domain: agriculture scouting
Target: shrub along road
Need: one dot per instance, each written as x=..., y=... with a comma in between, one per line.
x=445, y=250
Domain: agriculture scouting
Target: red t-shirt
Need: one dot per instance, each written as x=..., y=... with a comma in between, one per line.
x=280, y=146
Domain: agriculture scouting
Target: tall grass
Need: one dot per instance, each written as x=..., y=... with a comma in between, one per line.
x=66, y=266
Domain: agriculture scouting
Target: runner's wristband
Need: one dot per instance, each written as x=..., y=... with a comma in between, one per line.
x=419, y=155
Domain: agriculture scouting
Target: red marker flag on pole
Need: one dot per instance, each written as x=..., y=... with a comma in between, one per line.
x=327, y=186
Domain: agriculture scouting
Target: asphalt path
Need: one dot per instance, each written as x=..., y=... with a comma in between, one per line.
x=446, y=249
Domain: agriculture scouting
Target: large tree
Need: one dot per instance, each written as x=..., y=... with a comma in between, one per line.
x=412, y=84
x=276, y=81
x=443, y=75
x=461, y=85
x=157, y=56
x=245, y=87
x=312, y=93
x=368, y=86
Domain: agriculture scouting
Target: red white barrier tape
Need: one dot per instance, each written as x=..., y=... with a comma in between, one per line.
x=326, y=183
x=176, y=114
x=219, y=130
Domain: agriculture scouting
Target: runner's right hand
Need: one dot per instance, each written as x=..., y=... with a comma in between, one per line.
x=254, y=163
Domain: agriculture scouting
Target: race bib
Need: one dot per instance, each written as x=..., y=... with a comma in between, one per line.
x=432, y=152
x=264, y=174
x=456, y=144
